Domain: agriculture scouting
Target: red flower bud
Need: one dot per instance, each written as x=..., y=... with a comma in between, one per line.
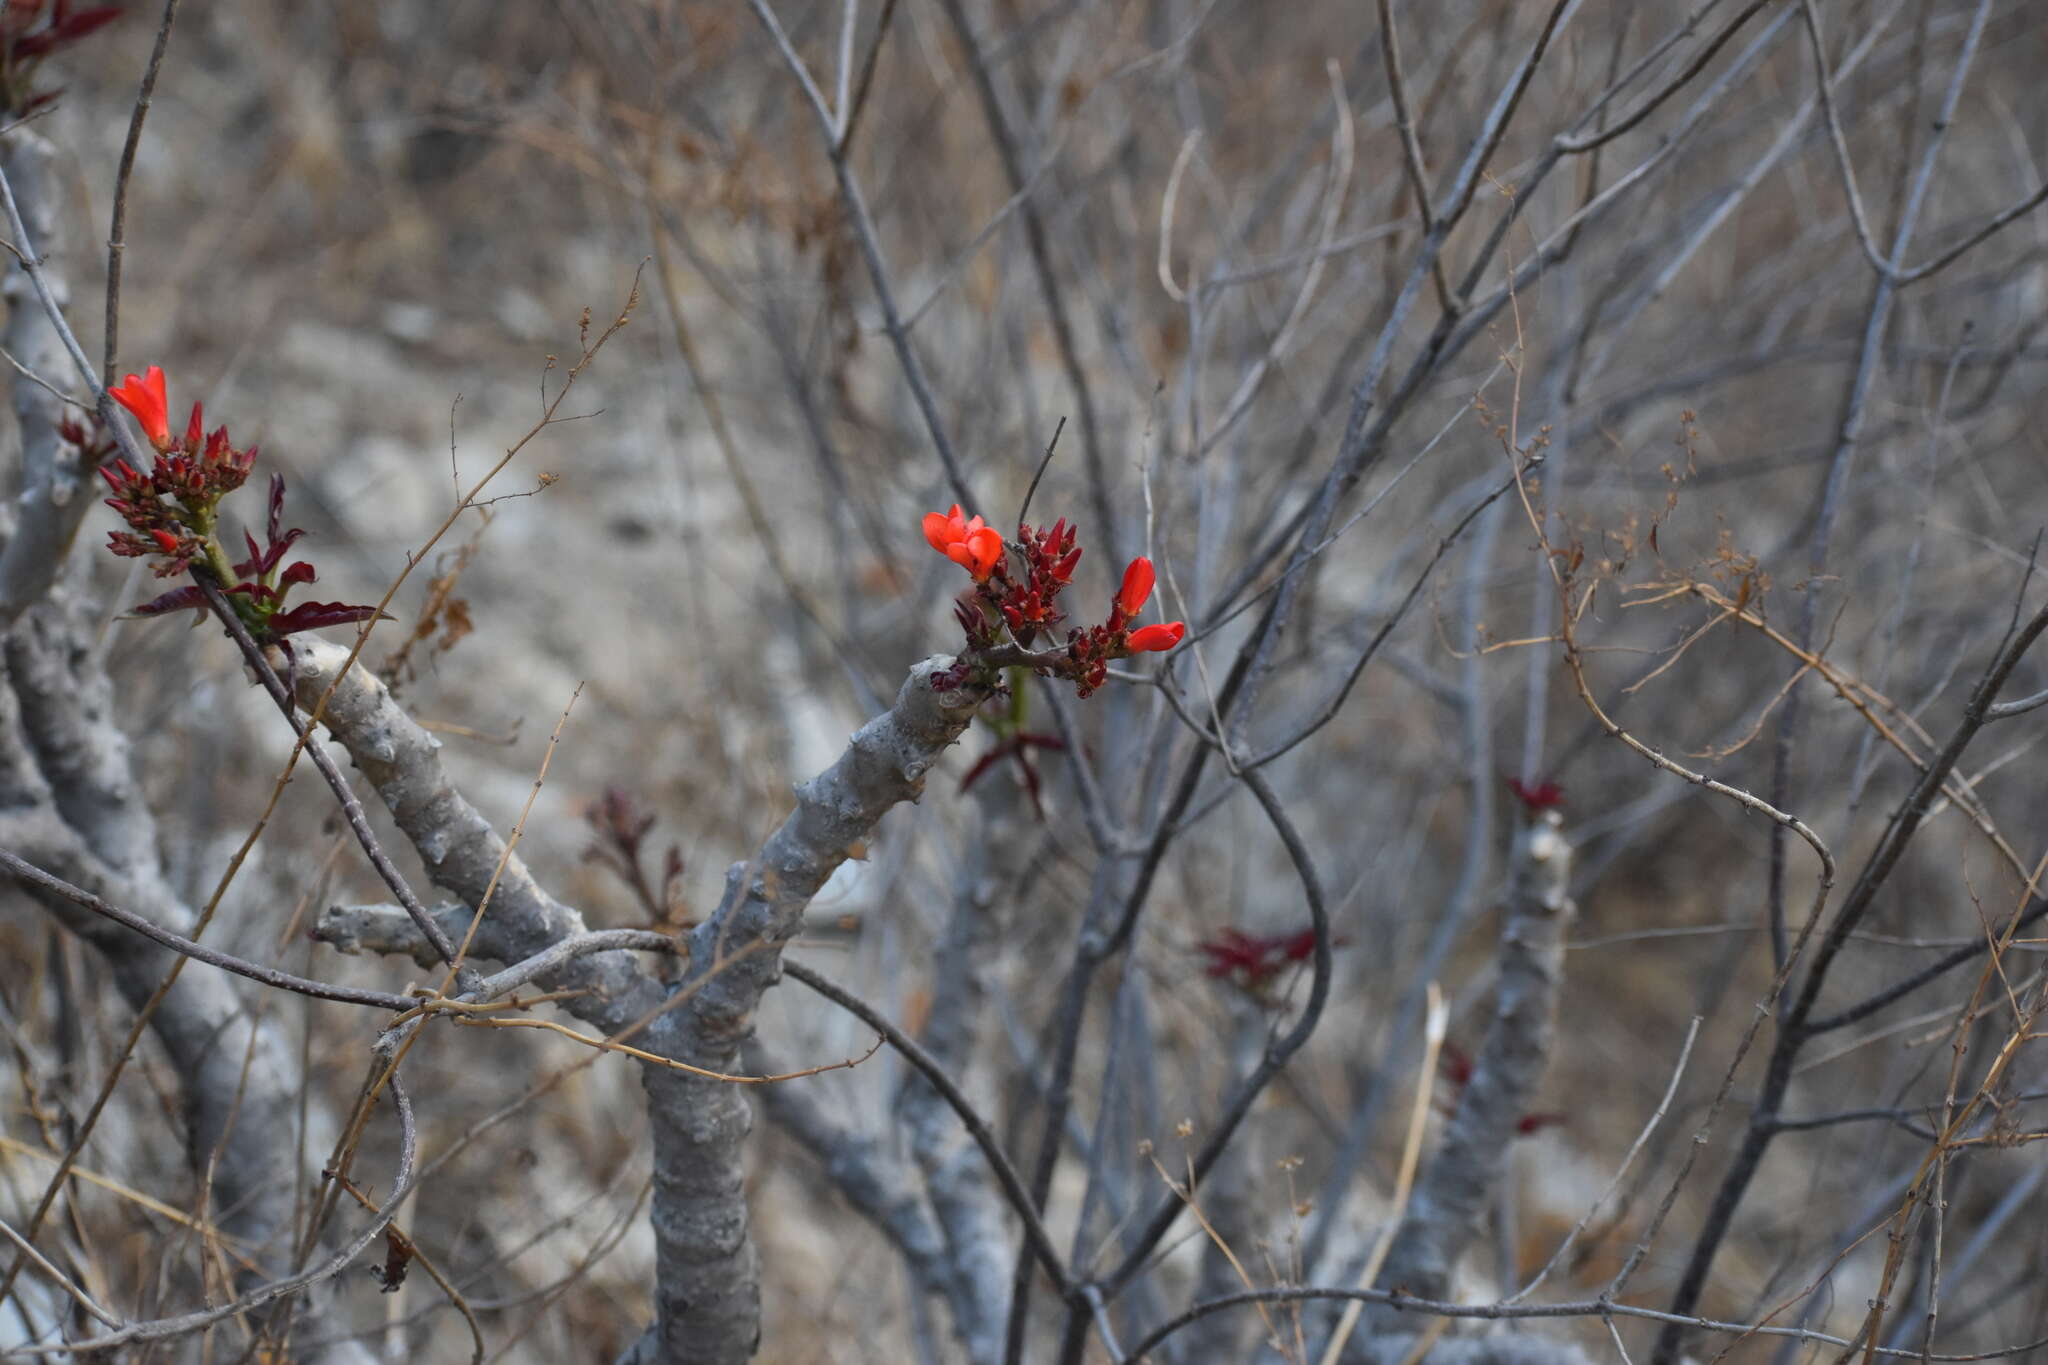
x=1159, y=637
x=145, y=397
x=166, y=542
x=194, y=429
x=1137, y=586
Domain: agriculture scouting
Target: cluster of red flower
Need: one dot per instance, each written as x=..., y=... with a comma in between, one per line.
x=171, y=508
x=1026, y=604
x=173, y=514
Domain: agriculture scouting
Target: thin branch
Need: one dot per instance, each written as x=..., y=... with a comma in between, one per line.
x=1504, y=1312
x=117, y=229
x=164, y=1329
x=352, y=809
x=199, y=952
x=999, y=1163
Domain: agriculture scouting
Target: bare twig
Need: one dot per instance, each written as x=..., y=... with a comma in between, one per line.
x=199, y=952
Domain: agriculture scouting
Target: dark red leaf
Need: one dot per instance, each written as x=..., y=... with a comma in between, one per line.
x=274, y=551
x=317, y=616
x=177, y=599
x=982, y=765
x=1031, y=783
x=1537, y=796
x=65, y=29
x=1230, y=951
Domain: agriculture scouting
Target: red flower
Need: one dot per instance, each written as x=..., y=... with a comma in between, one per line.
x=145, y=397
x=1137, y=586
x=1156, y=637
x=973, y=546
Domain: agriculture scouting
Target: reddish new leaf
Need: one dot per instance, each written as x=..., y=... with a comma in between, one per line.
x=177, y=599
x=1537, y=796
x=64, y=30
x=317, y=616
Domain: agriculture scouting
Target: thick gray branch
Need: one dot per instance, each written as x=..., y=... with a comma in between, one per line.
x=460, y=849
x=1445, y=1210
x=390, y=929
x=70, y=805
x=52, y=497
x=708, y=1294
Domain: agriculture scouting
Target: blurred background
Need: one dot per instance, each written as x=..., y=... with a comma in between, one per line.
x=364, y=235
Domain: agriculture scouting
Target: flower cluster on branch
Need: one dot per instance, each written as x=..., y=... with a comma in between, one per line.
x=173, y=516
x=1016, y=594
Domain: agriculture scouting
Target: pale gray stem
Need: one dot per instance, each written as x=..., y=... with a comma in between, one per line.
x=73, y=808
x=52, y=498
x=1445, y=1210
x=462, y=853
x=389, y=929
x=708, y=1290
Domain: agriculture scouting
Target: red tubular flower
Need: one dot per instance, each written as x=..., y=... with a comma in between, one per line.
x=967, y=542
x=1137, y=587
x=145, y=397
x=1156, y=637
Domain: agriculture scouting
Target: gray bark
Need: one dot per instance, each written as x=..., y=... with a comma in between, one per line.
x=69, y=803
x=460, y=849
x=1444, y=1212
x=55, y=493
x=708, y=1290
